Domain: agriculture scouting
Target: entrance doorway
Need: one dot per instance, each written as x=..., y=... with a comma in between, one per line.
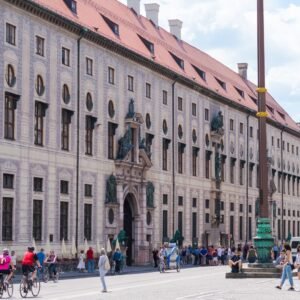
x=128, y=227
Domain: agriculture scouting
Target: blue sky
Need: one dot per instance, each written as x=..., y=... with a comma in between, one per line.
x=226, y=29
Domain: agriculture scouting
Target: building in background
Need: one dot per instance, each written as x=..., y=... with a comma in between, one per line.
x=109, y=122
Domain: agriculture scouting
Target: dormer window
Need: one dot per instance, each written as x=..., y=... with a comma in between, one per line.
x=179, y=61
x=281, y=115
x=221, y=83
x=72, y=4
x=270, y=109
x=149, y=45
x=254, y=100
x=113, y=26
x=200, y=72
x=242, y=94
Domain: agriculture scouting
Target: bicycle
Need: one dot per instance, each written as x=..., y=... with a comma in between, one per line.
x=28, y=284
x=46, y=275
x=6, y=286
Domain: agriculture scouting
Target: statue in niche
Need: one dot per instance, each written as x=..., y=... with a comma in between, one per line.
x=131, y=112
x=257, y=207
x=218, y=166
x=124, y=144
x=150, y=194
x=111, y=190
x=142, y=144
x=217, y=124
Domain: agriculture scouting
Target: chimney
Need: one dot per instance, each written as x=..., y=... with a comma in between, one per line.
x=152, y=10
x=242, y=67
x=135, y=4
x=175, y=28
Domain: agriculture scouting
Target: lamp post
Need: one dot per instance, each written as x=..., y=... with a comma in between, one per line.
x=264, y=240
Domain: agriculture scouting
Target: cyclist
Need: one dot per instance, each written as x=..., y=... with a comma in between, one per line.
x=28, y=262
x=51, y=260
x=6, y=264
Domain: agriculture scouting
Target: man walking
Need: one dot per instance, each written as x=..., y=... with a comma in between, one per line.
x=90, y=260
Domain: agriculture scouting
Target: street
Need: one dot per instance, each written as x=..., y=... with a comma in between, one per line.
x=207, y=283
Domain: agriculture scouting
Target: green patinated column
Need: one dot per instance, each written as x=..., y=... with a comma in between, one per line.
x=264, y=240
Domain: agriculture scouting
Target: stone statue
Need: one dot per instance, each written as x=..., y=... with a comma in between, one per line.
x=124, y=144
x=217, y=123
x=218, y=166
x=131, y=112
x=274, y=209
x=111, y=190
x=150, y=194
x=142, y=144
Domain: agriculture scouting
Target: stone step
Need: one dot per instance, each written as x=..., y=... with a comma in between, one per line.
x=261, y=265
x=261, y=270
x=252, y=275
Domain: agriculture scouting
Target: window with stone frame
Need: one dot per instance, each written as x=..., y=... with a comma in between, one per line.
x=65, y=56
x=207, y=164
x=89, y=66
x=165, y=224
x=251, y=167
x=195, y=151
x=180, y=201
x=8, y=181
x=231, y=206
x=10, y=75
x=37, y=220
x=251, y=131
x=66, y=94
x=7, y=219
x=242, y=165
x=231, y=124
x=130, y=83
x=180, y=157
x=165, y=97
x=9, y=116
x=88, y=221
x=194, y=201
x=89, y=132
x=111, y=75
x=194, y=225
x=207, y=219
x=88, y=190
x=165, y=146
x=39, y=115
x=194, y=109
x=11, y=34
x=37, y=184
x=206, y=114
x=207, y=203
x=241, y=228
x=165, y=199
x=180, y=104
x=148, y=90
x=65, y=130
x=232, y=170
x=111, y=140
x=231, y=225
x=64, y=187
x=39, y=45
x=64, y=220
x=180, y=221
x=241, y=128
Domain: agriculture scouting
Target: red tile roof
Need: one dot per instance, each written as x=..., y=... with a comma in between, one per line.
x=90, y=12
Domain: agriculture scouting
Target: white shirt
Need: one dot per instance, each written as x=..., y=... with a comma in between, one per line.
x=297, y=261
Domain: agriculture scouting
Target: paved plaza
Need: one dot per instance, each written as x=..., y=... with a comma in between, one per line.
x=207, y=283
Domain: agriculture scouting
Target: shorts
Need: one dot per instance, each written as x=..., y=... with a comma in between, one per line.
x=5, y=271
x=27, y=269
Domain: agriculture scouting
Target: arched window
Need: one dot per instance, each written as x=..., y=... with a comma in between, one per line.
x=148, y=121
x=111, y=109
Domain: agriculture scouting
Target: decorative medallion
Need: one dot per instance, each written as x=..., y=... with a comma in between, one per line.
x=231, y=148
x=149, y=218
x=66, y=94
x=111, y=109
x=148, y=121
x=111, y=216
x=165, y=127
x=10, y=76
x=206, y=140
x=194, y=136
x=241, y=151
x=89, y=102
x=180, y=131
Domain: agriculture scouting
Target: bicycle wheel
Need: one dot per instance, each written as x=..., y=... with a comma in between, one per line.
x=23, y=288
x=35, y=287
x=10, y=288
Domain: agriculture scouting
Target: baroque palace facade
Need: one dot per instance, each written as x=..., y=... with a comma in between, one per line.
x=109, y=122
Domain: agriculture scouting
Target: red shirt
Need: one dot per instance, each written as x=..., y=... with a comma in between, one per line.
x=29, y=259
x=90, y=254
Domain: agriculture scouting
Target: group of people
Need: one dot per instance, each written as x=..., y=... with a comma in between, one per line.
x=86, y=259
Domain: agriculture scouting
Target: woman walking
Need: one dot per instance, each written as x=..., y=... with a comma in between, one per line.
x=104, y=266
x=287, y=269
x=297, y=261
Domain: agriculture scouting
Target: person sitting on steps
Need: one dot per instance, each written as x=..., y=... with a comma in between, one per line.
x=235, y=263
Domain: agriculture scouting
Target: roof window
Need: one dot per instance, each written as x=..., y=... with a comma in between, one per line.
x=149, y=45
x=221, y=83
x=113, y=26
x=200, y=72
x=254, y=100
x=281, y=115
x=242, y=94
x=72, y=4
x=179, y=61
x=270, y=109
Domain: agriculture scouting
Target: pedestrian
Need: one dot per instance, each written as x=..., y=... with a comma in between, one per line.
x=235, y=263
x=81, y=263
x=155, y=257
x=117, y=260
x=245, y=251
x=297, y=261
x=104, y=267
x=90, y=260
x=251, y=255
x=14, y=258
x=275, y=251
x=51, y=259
x=288, y=266
x=41, y=257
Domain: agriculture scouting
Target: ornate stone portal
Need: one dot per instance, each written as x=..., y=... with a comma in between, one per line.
x=134, y=195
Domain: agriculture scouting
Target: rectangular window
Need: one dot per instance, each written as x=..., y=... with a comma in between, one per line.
x=37, y=220
x=241, y=228
x=242, y=164
x=8, y=181
x=40, y=45
x=65, y=56
x=165, y=199
x=65, y=132
x=148, y=90
x=64, y=220
x=180, y=157
x=111, y=140
x=241, y=208
x=293, y=149
x=232, y=170
x=272, y=140
x=165, y=224
x=194, y=160
x=206, y=203
x=89, y=66
x=250, y=228
x=231, y=206
x=194, y=202
x=251, y=131
x=180, y=221
x=222, y=205
x=206, y=114
x=9, y=117
x=257, y=176
x=194, y=225
x=88, y=221
x=111, y=75
x=38, y=184
x=288, y=147
x=278, y=143
x=231, y=226
x=297, y=150
x=194, y=109
x=283, y=145
x=180, y=201
x=130, y=83
x=165, y=154
x=279, y=182
x=207, y=164
x=241, y=128
x=11, y=34
x=89, y=130
x=251, y=166
x=7, y=219
x=179, y=103
x=40, y=112
x=165, y=97
x=250, y=209
x=64, y=187
x=88, y=188
x=207, y=218
x=223, y=169
x=279, y=229
x=231, y=124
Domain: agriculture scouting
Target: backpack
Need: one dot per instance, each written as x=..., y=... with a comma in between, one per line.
x=2, y=260
x=106, y=264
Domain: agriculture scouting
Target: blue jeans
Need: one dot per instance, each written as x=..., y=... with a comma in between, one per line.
x=287, y=273
x=91, y=265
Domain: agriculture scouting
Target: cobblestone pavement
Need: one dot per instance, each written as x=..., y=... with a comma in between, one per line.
x=206, y=283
